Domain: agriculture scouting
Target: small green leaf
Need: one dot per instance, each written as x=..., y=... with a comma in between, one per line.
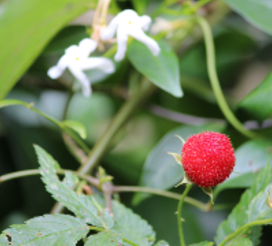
x=161, y=243
x=258, y=103
x=131, y=226
x=241, y=213
x=257, y=12
x=160, y=169
x=77, y=127
x=240, y=241
x=251, y=157
x=46, y=230
x=104, y=239
x=81, y=205
x=203, y=244
x=162, y=70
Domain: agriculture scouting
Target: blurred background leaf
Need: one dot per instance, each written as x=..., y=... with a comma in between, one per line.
x=258, y=103
x=251, y=157
x=162, y=70
x=257, y=12
x=26, y=27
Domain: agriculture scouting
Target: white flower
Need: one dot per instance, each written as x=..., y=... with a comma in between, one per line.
x=129, y=23
x=76, y=59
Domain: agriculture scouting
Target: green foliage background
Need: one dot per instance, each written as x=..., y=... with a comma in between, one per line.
x=33, y=34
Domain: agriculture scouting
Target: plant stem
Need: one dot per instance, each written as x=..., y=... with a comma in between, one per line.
x=189, y=200
x=93, y=228
x=32, y=172
x=241, y=229
x=121, y=117
x=211, y=65
x=113, y=189
x=181, y=236
x=128, y=241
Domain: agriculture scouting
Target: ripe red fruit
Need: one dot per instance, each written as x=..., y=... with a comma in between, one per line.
x=208, y=158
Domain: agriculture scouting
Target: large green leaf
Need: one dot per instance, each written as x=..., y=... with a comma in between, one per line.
x=161, y=243
x=160, y=170
x=258, y=208
x=251, y=157
x=258, y=103
x=162, y=70
x=47, y=230
x=241, y=214
x=203, y=244
x=240, y=241
x=104, y=239
x=26, y=28
x=131, y=226
x=257, y=12
x=81, y=205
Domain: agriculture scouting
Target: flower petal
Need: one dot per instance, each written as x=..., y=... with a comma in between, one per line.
x=109, y=31
x=87, y=46
x=56, y=71
x=144, y=22
x=82, y=78
x=101, y=63
x=151, y=44
x=122, y=38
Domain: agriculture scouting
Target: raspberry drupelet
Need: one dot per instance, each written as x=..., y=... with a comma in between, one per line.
x=208, y=158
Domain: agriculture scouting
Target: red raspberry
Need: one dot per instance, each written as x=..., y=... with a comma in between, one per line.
x=208, y=158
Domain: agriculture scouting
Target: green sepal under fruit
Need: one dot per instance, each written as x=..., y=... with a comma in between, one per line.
x=186, y=180
x=208, y=191
x=176, y=156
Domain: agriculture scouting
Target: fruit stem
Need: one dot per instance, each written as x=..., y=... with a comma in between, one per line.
x=181, y=236
x=211, y=65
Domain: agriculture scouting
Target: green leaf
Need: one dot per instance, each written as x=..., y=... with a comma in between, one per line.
x=4, y=240
x=258, y=208
x=251, y=157
x=104, y=239
x=257, y=12
x=161, y=243
x=76, y=126
x=240, y=214
x=162, y=70
x=203, y=244
x=240, y=241
x=258, y=103
x=131, y=226
x=26, y=27
x=140, y=6
x=47, y=230
x=160, y=169
x=83, y=206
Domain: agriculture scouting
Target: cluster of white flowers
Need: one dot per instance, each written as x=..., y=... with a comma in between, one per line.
x=76, y=58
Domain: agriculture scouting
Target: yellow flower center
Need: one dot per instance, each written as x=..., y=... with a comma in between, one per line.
x=77, y=58
x=129, y=22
